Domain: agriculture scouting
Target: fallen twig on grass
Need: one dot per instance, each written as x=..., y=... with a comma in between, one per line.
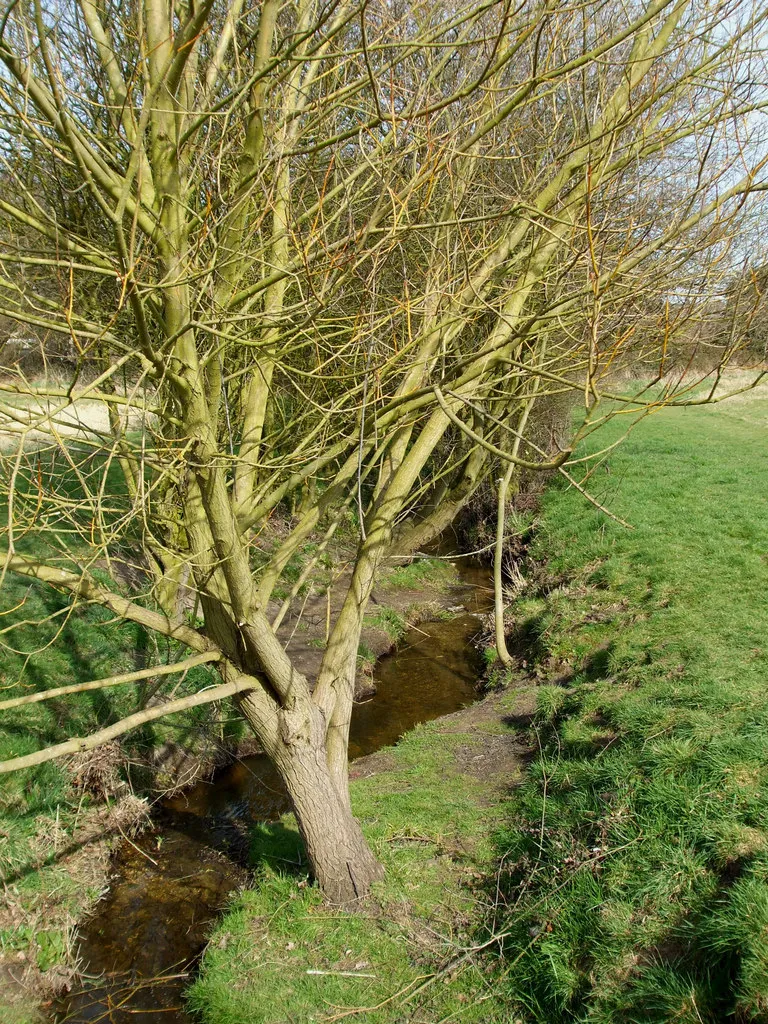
x=342, y=974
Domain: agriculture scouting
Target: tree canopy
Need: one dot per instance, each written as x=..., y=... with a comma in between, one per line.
x=337, y=254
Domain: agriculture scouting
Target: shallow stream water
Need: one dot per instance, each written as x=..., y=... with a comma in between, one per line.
x=140, y=948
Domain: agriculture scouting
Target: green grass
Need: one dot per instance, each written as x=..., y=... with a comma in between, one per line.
x=389, y=621
x=366, y=659
x=435, y=573
x=429, y=826
x=636, y=855
x=40, y=808
x=47, y=644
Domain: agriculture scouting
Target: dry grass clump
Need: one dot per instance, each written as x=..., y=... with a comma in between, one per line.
x=98, y=771
x=129, y=816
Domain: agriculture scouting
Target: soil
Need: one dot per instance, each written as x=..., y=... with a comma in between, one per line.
x=82, y=419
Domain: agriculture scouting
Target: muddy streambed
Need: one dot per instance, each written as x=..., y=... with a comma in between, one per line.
x=139, y=949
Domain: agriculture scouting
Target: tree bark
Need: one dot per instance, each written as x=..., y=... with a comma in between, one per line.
x=342, y=862
x=340, y=859
x=498, y=555
x=422, y=533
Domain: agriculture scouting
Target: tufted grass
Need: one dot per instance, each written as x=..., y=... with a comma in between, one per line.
x=636, y=855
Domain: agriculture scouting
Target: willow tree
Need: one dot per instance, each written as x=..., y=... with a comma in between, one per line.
x=332, y=253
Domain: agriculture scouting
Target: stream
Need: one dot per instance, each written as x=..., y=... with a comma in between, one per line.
x=140, y=948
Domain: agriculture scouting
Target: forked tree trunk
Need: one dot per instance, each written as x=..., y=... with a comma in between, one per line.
x=339, y=856
x=341, y=860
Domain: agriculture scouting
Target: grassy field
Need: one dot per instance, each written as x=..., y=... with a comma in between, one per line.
x=623, y=876
x=636, y=855
x=626, y=878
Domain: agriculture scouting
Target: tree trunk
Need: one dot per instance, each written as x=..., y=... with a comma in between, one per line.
x=420, y=534
x=339, y=856
x=341, y=860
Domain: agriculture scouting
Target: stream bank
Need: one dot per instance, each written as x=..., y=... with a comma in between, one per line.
x=431, y=807
x=145, y=937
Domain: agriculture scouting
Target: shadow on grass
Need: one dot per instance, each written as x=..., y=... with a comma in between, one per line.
x=77, y=844
x=278, y=848
x=549, y=959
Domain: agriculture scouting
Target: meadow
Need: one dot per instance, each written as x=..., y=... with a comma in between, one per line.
x=622, y=875
x=636, y=854
x=608, y=860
